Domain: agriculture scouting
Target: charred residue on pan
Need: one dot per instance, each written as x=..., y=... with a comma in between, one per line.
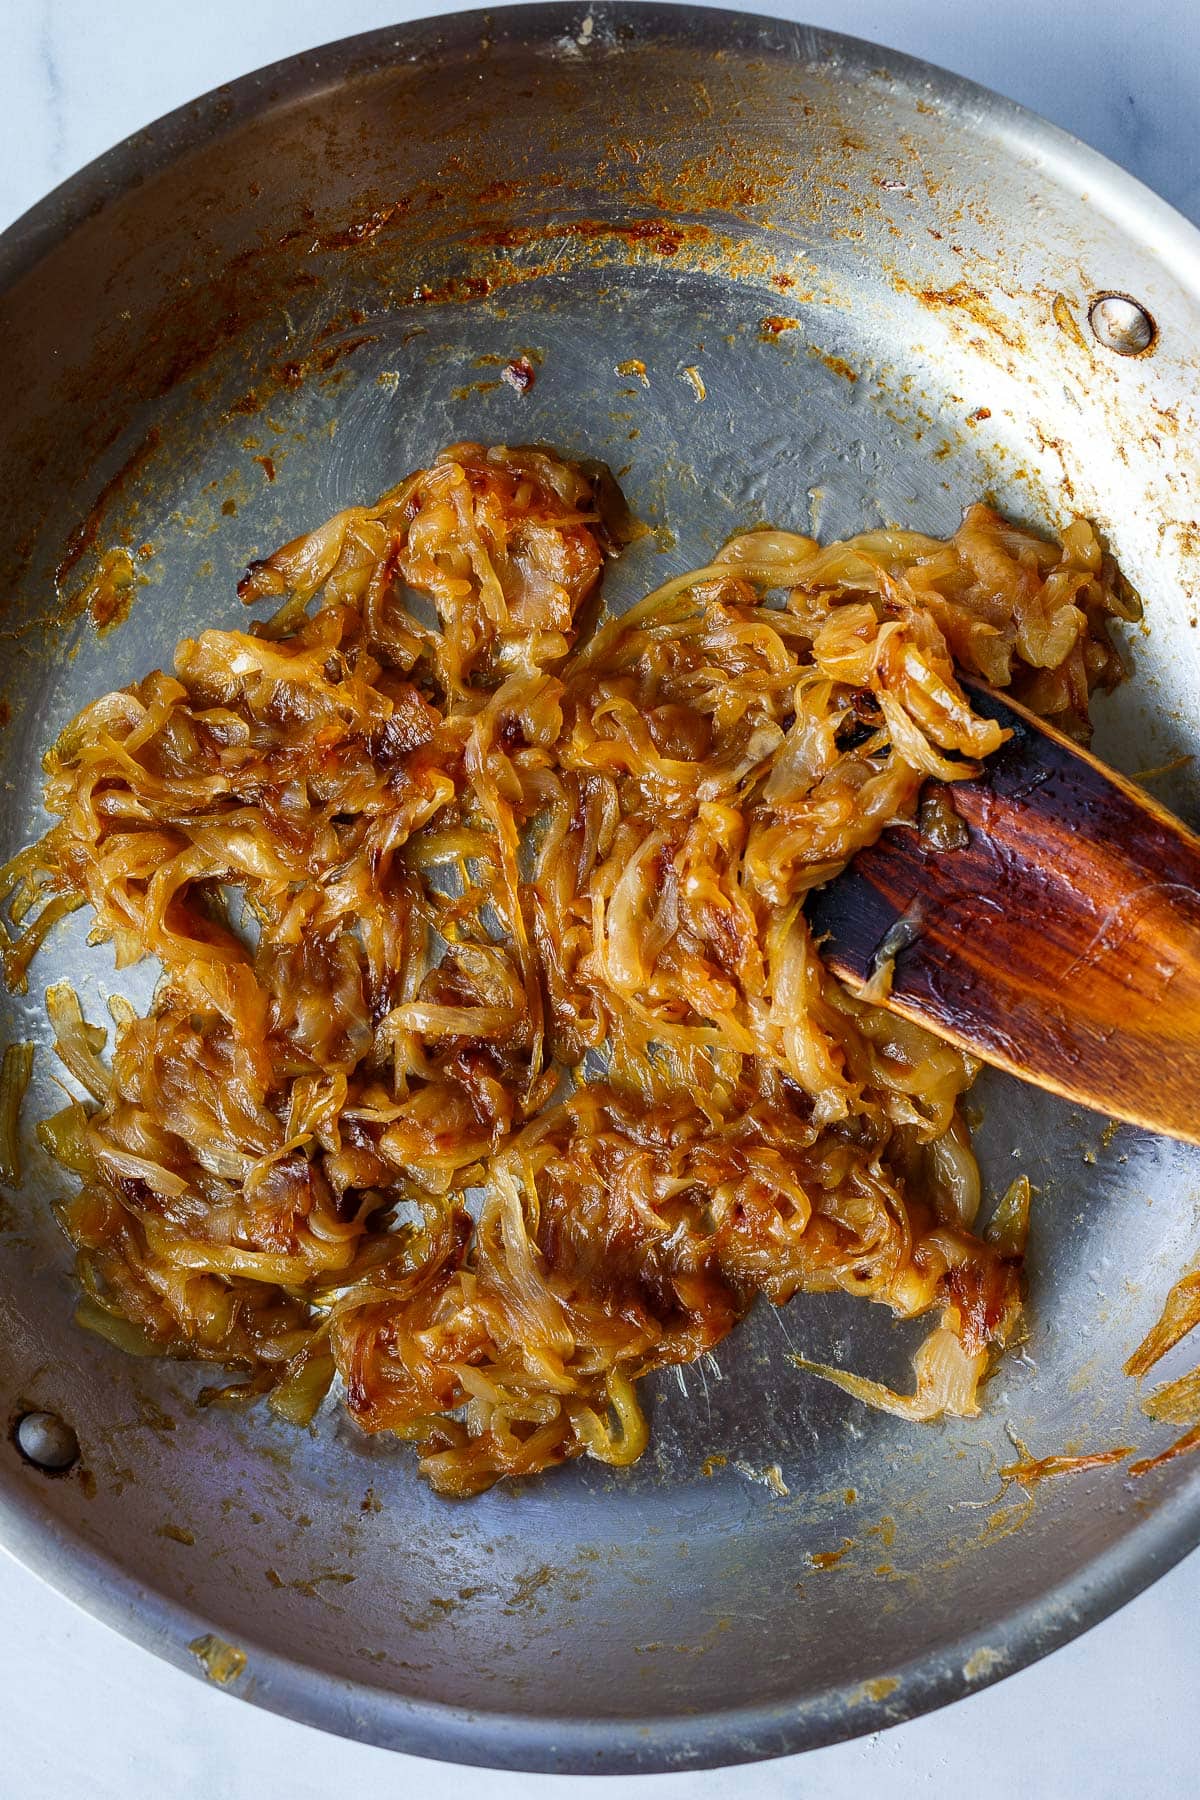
x=85, y=535
x=221, y=300
x=738, y=184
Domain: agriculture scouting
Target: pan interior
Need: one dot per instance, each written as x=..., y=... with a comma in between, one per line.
x=765, y=275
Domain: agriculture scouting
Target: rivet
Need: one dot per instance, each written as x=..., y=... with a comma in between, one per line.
x=47, y=1441
x=1121, y=324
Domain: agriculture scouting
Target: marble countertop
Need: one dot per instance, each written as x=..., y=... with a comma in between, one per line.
x=1110, y=1715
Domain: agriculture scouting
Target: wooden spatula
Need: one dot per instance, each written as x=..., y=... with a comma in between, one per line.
x=1060, y=942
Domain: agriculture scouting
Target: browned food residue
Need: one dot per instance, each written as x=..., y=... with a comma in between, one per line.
x=837, y=365
x=85, y=534
x=655, y=234
x=775, y=324
x=473, y=387
x=365, y=229
x=712, y=1463
x=519, y=374
x=337, y=1577
x=293, y=372
x=973, y=303
x=1189, y=1441
x=459, y=288
x=1030, y=1470
x=178, y=1534
x=267, y=465
x=108, y=596
x=1169, y=767
x=980, y=1661
x=1064, y=318
x=876, y=1689
x=525, y=1588
x=222, y=1662
x=634, y=367
x=829, y=1559
x=1006, y=1521
x=319, y=361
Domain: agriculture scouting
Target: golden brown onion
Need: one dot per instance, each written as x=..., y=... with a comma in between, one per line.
x=446, y=900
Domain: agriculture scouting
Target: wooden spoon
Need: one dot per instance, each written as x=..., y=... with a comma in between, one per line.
x=1060, y=942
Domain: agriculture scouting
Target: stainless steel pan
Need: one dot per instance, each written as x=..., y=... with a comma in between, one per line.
x=880, y=279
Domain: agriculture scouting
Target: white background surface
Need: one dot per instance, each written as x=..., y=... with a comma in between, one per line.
x=85, y=1713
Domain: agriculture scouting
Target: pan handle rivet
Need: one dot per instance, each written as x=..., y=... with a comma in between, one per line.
x=47, y=1441
x=1121, y=325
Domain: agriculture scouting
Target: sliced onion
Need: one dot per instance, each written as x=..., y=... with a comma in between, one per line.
x=947, y=1381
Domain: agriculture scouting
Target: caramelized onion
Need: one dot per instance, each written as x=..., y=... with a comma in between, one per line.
x=446, y=898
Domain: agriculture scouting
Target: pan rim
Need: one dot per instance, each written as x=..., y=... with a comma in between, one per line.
x=128, y=163
x=105, y=1587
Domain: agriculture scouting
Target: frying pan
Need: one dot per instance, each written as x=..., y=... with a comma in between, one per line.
x=765, y=273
